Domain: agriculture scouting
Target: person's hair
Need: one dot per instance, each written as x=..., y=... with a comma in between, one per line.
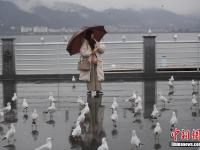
x=87, y=36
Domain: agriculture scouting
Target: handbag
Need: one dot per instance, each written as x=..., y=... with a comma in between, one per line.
x=83, y=65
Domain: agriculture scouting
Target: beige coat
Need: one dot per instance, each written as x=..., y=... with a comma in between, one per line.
x=85, y=53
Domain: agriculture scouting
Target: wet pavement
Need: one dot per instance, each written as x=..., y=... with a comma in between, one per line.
x=98, y=123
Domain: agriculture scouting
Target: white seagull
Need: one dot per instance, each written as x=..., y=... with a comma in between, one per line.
x=155, y=112
x=194, y=100
x=157, y=130
x=170, y=83
x=10, y=133
x=86, y=109
x=104, y=145
x=7, y=108
x=138, y=100
x=114, y=118
x=52, y=108
x=194, y=83
x=172, y=78
x=138, y=108
x=80, y=101
x=173, y=120
x=81, y=118
x=135, y=141
x=132, y=98
x=76, y=131
x=51, y=98
x=47, y=145
x=73, y=81
x=14, y=98
x=25, y=105
x=164, y=100
x=114, y=105
x=35, y=118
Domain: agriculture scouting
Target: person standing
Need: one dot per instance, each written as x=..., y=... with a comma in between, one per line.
x=92, y=50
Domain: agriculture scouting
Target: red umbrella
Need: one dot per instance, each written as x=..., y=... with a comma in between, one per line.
x=76, y=40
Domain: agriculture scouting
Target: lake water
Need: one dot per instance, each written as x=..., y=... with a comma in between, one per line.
x=98, y=123
x=51, y=59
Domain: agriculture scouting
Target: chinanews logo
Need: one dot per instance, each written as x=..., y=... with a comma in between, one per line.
x=185, y=138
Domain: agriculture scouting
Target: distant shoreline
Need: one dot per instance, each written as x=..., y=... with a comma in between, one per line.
x=109, y=32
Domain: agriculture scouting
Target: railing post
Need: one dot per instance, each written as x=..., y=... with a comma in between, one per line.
x=149, y=97
x=8, y=70
x=149, y=55
x=8, y=64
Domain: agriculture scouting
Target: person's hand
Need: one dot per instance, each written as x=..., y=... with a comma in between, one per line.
x=95, y=50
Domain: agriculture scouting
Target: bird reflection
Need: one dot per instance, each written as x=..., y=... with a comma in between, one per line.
x=157, y=146
x=10, y=147
x=35, y=134
x=25, y=117
x=114, y=132
x=91, y=129
x=51, y=121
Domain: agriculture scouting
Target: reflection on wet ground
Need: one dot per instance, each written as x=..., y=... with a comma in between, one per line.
x=97, y=124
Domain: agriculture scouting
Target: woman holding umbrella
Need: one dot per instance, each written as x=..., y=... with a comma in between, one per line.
x=92, y=50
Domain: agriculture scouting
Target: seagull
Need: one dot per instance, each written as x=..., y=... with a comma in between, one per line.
x=149, y=31
x=51, y=98
x=173, y=120
x=52, y=108
x=164, y=100
x=132, y=98
x=73, y=81
x=7, y=108
x=80, y=101
x=14, y=98
x=170, y=83
x=172, y=78
x=77, y=131
x=114, y=105
x=194, y=100
x=138, y=100
x=25, y=105
x=10, y=133
x=104, y=145
x=155, y=112
x=35, y=118
x=157, y=130
x=114, y=118
x=81, y=118
x=47, y=145
x=135, y=141
x=86, y=109
x=194, y=83
x=138, y=108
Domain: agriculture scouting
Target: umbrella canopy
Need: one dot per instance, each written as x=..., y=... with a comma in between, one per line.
x=76, y=40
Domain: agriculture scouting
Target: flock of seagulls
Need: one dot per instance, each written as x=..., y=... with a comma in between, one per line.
x=136, y=103
x=10, y=134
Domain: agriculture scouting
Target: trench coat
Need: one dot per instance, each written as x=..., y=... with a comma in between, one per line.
x=85, y=53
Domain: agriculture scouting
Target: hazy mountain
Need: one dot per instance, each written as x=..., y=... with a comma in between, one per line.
x=73, y=15
x=11, y=15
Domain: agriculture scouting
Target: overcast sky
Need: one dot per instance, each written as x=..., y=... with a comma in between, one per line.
x=177, y=6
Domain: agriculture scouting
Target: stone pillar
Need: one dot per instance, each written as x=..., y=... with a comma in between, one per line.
x=149, y=55
x=149, y=97
x=8, y=63
x=8, y=70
